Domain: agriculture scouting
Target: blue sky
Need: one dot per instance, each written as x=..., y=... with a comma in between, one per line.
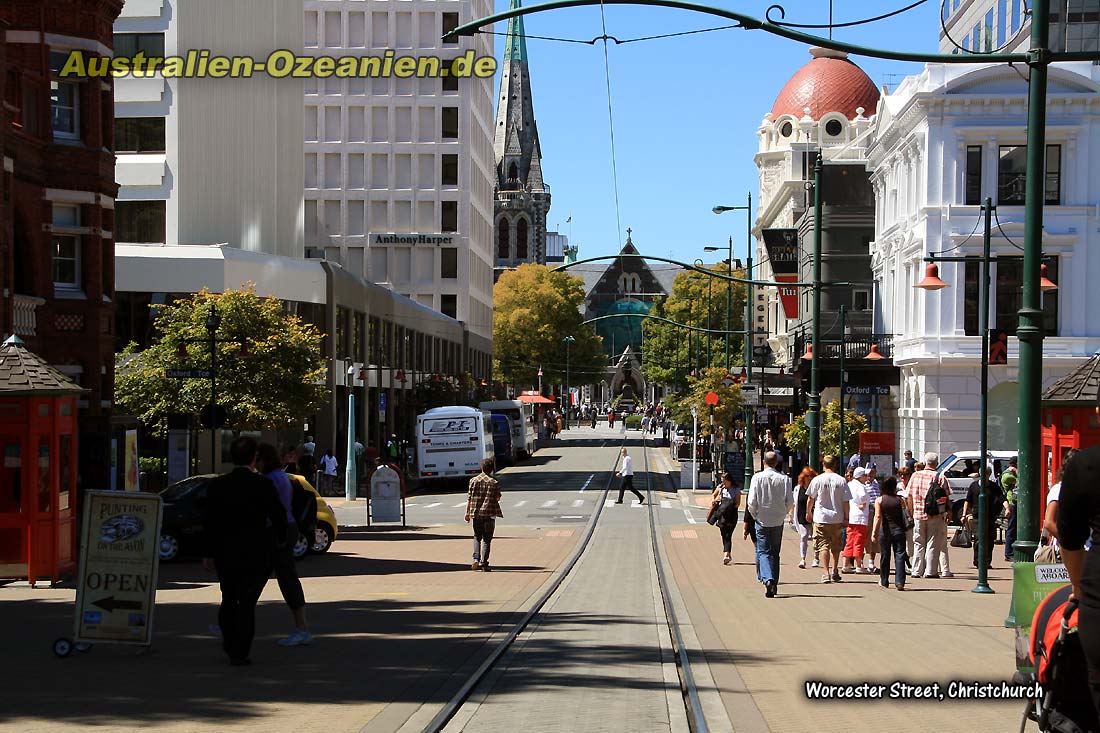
x=686, y=111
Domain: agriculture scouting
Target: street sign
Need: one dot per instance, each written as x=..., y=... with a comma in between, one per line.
x=119, y=559
x=735, y=466
x=779, y=391
x=381, y=406
x=188, y=373
x=874, y=389
x=711, y=398
x=750, y=394
x=761, y=414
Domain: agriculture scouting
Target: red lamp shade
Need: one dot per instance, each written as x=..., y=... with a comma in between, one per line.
x=809, y=355
x=1045, y=283
x=873, y=354
x=931, y=279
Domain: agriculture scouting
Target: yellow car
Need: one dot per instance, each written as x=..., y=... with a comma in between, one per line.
x=325, y=533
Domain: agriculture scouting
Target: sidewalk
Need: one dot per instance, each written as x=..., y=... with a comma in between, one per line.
x=761, y=651
x=394, y=612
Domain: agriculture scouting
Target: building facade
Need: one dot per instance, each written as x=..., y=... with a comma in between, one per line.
x=399, y=171
x=942, y=142
x=57, y=204
x=521, y=197
x=1005, y=25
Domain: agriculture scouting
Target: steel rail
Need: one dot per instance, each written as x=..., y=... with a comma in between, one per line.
x=453, y=705
x=697, y=719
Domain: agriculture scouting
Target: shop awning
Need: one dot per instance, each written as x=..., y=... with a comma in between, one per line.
x=536, y=399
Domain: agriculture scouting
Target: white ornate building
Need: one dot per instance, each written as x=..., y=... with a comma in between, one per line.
x=942, y=142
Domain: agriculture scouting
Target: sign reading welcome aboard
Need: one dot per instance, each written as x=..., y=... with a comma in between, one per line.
x=436, y=239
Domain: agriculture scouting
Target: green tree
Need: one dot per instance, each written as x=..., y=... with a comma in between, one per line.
x=276, y=380
x=726, y=413
x=798, y=434
x=673, y=352
x=534, y=309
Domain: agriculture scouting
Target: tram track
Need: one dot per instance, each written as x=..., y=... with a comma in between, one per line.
x=483, y=676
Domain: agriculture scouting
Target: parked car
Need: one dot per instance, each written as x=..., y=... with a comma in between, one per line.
x=181, y=529
x=961, y=468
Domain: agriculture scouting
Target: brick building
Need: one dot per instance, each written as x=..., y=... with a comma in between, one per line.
x=57, y=196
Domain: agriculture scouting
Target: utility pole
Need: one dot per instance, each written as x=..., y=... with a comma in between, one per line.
x=814, y=415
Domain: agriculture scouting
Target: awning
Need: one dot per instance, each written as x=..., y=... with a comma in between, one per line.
x=536, y=399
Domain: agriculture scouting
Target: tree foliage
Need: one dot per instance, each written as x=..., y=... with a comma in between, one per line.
x=673, y=352
x=279, y=380
x=798, y=434
x=534, y=309
x=726, y=413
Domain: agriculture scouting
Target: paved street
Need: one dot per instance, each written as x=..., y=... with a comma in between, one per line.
x=401, y=621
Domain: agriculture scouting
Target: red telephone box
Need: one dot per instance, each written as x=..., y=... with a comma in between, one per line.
x=37, y=466
x=1069, y=420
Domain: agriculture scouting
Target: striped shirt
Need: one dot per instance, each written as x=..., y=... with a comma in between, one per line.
x=918, y=487
x=873, y=490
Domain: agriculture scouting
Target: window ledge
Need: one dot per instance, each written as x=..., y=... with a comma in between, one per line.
x=68, y=294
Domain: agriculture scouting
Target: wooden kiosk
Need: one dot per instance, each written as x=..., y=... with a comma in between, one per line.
x=1069, y=418
x=38, y=470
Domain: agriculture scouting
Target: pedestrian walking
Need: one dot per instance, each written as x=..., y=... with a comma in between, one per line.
x=889, y=532
x=993, y=505
x=729, y=498
x=930, y=530
x=611, y=419
x=482, y=510
x=908, y=461
x=827, y=508
x=874, y=491
x=798, y=517
x=904, y=474
x=329, y=464
x=242, y=519
x=270, y=464
x=592, y=415
x=627, y=474
x=307, y=461
x=770, y=500
x=856, y=543
x=1009, y=480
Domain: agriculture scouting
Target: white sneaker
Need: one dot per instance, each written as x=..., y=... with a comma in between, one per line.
x=802, y=563
x=816, y=564
x=947, y=574
x=297, y=638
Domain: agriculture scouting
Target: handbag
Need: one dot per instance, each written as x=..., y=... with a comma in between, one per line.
x=961, y=538
x=906, y=517
x=713, y=513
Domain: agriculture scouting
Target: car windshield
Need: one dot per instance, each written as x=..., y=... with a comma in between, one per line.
x=178, y=489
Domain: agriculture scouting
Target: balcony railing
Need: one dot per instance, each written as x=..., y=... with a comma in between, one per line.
x=25, y=322
x=856, y=346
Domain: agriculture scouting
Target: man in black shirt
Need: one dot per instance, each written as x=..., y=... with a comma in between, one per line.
x=242, y=518
x=994, y=503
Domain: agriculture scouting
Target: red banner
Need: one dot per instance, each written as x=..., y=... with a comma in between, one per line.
x=788, y=294
x=877, y=443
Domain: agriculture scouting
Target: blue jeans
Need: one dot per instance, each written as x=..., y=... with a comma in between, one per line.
x=886, y=543
x=768, y=542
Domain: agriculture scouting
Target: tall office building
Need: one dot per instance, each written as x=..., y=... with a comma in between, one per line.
x=987, y=25
x=399, y=172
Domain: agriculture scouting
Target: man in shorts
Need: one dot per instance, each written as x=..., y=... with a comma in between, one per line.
x=827, y=507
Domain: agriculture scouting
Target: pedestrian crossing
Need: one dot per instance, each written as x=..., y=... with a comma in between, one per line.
x=547, y=504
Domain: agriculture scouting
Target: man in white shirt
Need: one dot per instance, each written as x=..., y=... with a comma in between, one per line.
x=627, y=473
x=827, y=507
x=858, y=514
x=328, y=473
x=770, y=500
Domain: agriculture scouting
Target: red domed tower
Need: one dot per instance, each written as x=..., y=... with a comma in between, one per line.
x=828, y=83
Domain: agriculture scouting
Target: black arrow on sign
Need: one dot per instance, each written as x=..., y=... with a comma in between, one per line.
x=109, y=604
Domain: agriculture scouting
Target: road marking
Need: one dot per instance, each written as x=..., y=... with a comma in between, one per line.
x=456, y=506
x=666, y=504
x=578, y=502
x=586, y=484
x=432, y=505
x=609, y=502
x=519, y=504
x=549, y=504
x=571, y=516
x=691, y=519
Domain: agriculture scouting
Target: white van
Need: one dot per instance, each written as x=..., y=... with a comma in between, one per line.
x=961, y=468
x=451, y=442
x=522, y=415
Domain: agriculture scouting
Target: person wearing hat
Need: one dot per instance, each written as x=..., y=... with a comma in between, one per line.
x=856, y=544
x=1009, y=479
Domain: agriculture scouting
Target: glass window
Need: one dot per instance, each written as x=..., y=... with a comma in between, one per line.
x=448, y=174
x=448, y=216
x=448, y=305
x=129, y=45
x=1002, y=22
x=1012, y=175
x=1015, y=26
x=972, y=277
x=45, y=492
x=65, y=246
x=450, y=22
x=521, y=239
x=502, y=239
x=987, y=32
x=448, y=263
x=450, y=83
x=976, y=37
x=65, y=108
x=449, y=129
x=1010, y=295
x=973, y=193
x=139, y=135
x=140, y=222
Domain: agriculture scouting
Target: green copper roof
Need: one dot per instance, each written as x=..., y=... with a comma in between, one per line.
x=515, y=47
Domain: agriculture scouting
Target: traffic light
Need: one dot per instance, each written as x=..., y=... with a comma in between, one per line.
x=998, y=346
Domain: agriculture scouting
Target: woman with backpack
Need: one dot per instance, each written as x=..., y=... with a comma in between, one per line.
x=270, y=465
x=891, y=523
x=723, y=514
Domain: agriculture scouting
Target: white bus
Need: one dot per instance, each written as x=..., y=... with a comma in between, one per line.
x=523, y=423
x=451, y=442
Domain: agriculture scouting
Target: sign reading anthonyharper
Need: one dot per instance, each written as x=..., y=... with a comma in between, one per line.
x=436, y=239
x=782, y=247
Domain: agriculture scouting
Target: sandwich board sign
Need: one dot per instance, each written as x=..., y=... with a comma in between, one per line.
x=119, y=559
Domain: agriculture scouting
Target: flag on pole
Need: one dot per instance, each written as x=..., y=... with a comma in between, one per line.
x=570, y=219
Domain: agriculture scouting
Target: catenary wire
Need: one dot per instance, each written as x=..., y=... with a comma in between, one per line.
x=831, y=26
x=611, y=126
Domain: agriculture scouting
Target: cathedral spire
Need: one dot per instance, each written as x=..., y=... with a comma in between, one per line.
x=515, y=47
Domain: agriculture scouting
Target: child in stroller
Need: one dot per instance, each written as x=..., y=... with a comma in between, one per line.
x=1059, y=662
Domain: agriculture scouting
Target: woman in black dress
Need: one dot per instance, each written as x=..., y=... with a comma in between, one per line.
x=889, y=531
